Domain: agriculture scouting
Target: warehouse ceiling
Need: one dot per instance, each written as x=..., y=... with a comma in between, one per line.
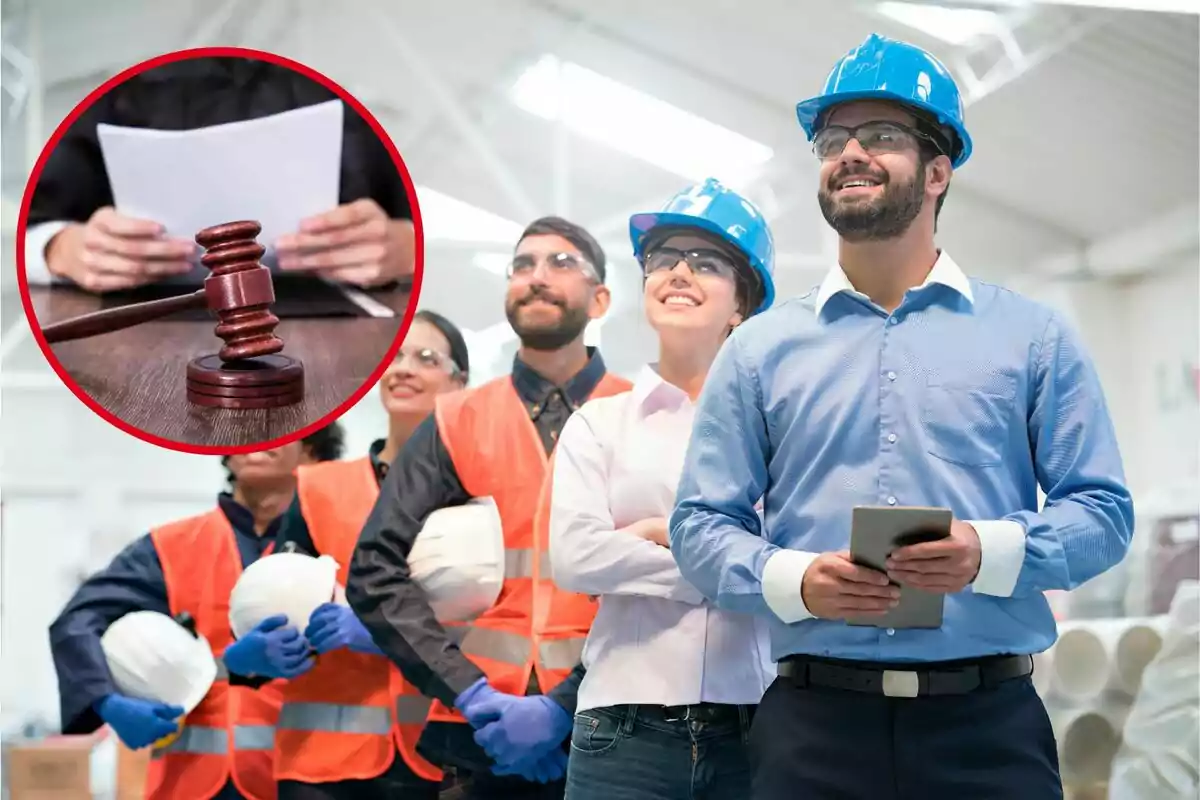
x=1085, y=118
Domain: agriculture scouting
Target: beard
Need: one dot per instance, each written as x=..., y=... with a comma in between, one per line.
x=547, y=337
x=887, y=216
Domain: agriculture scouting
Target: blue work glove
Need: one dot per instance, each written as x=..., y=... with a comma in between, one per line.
x=527, y=729
x=332, y=627
x=138, y=723
x=273, y=649
x=481, y=704
x=550, y=767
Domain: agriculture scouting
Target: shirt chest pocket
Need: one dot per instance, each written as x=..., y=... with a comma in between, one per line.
x=968, y=420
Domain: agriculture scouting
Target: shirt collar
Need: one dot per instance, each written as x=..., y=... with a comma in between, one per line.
x=651, y=393
x=242, y=520
x=944, y=271
x=378, y=465
x=533, y=388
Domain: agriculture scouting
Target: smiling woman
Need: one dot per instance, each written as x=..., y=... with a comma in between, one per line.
x=432, y=360
x=707, y=259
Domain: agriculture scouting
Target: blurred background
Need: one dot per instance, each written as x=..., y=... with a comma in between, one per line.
x=1082, y=193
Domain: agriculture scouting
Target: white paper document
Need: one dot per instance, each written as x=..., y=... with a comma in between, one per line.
x=277, y=170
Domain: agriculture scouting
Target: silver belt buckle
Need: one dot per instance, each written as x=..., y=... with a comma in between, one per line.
x=897, y=683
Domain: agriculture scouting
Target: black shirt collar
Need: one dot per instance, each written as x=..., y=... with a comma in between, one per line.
x=242, y=519
x=377, y=464
x=535, y=389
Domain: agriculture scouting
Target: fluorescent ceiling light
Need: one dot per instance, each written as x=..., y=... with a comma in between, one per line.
x=952, y=25
x=636, y=124
x=449, y=219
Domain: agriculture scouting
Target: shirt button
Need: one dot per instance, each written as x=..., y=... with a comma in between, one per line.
x=892, y=320
x=891, y=376
x=891, y=631
x=891, y=501
x=891, y=437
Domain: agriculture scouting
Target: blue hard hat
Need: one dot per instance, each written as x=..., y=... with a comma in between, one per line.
x=886, y=69
x=712, y=207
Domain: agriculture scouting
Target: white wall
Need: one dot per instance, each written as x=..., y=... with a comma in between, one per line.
x=1164, y=377
x=1144, y=337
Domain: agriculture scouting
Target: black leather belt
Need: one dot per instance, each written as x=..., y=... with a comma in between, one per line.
x=905, y=680
x=707, y=713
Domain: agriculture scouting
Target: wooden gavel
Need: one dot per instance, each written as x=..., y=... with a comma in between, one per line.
x=247, y=372
x=239, y=291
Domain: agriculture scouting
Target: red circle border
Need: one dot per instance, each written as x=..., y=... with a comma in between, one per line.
x=226, y=52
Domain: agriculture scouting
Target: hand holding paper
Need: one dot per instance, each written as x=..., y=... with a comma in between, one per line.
x=355, y=243
x=111, y=252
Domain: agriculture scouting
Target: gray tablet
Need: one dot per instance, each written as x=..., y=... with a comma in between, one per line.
x=878, y=530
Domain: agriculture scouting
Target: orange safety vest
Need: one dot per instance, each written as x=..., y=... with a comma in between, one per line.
x=533, y=625
x=346, y=717
x=232, y=732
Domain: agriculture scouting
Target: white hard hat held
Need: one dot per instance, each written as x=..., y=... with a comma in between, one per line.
x=458, y=559
x=154, y=657
x=294, y=584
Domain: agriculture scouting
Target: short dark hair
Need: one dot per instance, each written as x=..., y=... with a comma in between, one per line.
x=458, y=345
x=326, y=444
x=575, y=234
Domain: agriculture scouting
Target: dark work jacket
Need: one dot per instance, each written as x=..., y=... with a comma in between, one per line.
x=133, y=581
x=393, y=607
x=198, y=93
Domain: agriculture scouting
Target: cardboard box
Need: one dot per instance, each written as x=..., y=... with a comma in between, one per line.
x=75, y=768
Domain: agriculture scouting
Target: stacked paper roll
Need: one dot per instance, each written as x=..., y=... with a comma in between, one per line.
x=1088, y=680
x=1088, y=739
x=1096, y=657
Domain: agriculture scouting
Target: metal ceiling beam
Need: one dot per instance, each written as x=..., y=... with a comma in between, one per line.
x=1028, y=38
x=1135, y=250
x=476, y=138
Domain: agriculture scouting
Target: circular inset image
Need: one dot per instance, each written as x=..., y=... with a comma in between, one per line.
x=219, y=251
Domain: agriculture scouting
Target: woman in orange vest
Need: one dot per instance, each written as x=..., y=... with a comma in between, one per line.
x=494, y=441
x=349, y=727
x=225, y=746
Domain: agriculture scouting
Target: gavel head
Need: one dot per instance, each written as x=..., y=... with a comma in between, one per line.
x=239, y=290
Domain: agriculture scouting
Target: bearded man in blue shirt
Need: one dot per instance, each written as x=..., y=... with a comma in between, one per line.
x=900, y=382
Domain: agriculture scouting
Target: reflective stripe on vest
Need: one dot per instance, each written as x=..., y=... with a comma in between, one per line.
x=334, y=718
x=513, y=648
x=197, y=740
x=518, y=563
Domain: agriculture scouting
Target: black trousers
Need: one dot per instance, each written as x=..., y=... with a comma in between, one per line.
x=397, y=782
x=815, y=743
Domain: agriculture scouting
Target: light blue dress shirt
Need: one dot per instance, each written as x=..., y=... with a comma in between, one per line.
x=968, y=396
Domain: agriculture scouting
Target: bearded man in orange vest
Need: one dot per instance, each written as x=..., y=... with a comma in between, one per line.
x=349, y=727
x=225, y=746
x=509, y=666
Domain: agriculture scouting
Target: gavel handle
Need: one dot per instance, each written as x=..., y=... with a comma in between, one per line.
x=115, y=319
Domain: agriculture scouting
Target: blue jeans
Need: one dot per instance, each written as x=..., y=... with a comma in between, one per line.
x=651, y=753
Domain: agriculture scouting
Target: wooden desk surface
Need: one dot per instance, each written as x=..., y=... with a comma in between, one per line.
x=139, y=374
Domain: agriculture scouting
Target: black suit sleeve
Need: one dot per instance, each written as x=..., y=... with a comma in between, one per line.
x=380, y=588
x=74, y=184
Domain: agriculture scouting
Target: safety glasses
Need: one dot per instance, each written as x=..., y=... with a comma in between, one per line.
x=427, y=358
x=700, y=261
x=526, y=264
x=876, y=138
